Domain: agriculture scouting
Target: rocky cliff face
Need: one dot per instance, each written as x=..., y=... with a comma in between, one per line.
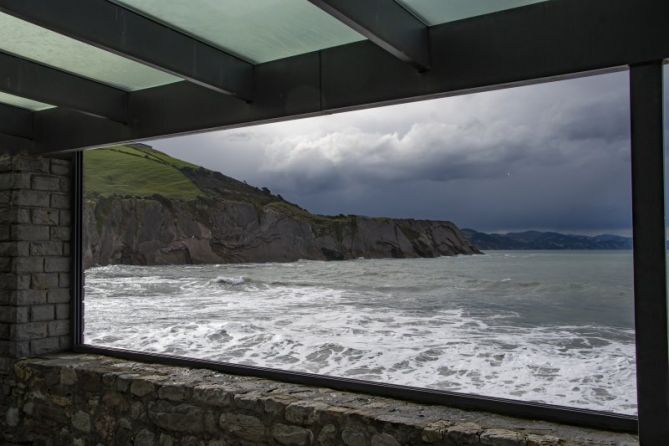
x=233, y=222
x=156, y=231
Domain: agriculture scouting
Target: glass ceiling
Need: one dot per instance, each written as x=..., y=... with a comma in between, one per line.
x=18, y=101
x=434, y=12
x=254, y=30
x=49, y=48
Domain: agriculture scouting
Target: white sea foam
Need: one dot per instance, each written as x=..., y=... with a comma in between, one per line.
x=231, y=280
x=360, y=326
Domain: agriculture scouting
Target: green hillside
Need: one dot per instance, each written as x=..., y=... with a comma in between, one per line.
x=137, y=171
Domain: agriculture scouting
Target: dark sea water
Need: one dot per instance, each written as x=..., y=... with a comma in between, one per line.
x=549, y=326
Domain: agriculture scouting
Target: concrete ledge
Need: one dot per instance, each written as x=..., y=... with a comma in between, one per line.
x=93, y=400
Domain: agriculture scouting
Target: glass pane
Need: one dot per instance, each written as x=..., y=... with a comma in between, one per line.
x=18, y=101
x=41, y=45
x=258, y=31
x=434, y=12
x=346, y=245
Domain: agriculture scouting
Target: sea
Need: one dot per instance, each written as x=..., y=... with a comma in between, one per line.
x=547, y=326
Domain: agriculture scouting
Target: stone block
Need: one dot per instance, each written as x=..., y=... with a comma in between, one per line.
x=177, y=418
x=40, y=313
x=65, y=217
x=242, y=426
x=140, y=387
x=13, y=315
x=28, y=264
x=57, y=264
x=60, y=201
x=45, y=345
x=42, y=281
x=31, y=330
x=43, y=216
x=5, y=264
x=21, y=232
x=14, y=180
x=14, y=348
x=24, y=197
x=29, y=163
x=64, y=279
x=64, y=342
x=62, y=311
x=30, y=297
x=46, y=248
x=81, y=421
x=7, y=281
x=62, y=233
x=501, y=437
x=60, y=167
x=291, y=435
x=13, y=249
x=59, y=328
x=58, y=296
x=4, y=232
x=45, y=182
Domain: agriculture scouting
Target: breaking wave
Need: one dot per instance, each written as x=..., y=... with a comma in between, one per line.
x=470, y=325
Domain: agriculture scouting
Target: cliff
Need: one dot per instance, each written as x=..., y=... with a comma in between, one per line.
x=144, y=207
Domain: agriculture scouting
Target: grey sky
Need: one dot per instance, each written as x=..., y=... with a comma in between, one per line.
x=553, y=156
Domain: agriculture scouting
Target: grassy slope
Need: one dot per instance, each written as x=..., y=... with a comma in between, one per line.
x=143, y=172
x=129, y=171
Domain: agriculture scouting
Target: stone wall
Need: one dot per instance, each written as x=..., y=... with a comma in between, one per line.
x=94, y=400
x=35, y=230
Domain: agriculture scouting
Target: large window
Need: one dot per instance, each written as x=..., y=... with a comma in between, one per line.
x=478, y=244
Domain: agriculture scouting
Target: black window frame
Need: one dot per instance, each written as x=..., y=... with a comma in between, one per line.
x=652, y=351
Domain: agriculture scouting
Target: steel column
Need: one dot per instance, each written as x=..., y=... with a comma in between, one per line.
x=650, y=285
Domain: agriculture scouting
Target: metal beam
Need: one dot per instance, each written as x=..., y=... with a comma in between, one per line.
x=515, y=47
x=16, y=121
x=650, y=283
x=116, y=29
x=30, y=80
x=14, y=144
x=385, y=23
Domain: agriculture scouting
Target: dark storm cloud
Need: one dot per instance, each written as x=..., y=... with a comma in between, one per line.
x=550, y=156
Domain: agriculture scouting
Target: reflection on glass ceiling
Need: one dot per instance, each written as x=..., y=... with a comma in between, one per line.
x=434, y=12
x=255, y=30
x=32, y=42
x=18, y=101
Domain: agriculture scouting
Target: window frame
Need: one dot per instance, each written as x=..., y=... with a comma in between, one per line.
x=652, y=357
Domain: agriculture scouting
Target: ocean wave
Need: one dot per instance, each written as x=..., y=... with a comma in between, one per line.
x=239, y=280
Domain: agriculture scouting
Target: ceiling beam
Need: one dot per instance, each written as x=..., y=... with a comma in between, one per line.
x=31, y=80
x=16, y=121
x=113, y=28
x=515, y=47
x=385, y=23
x=13, y=144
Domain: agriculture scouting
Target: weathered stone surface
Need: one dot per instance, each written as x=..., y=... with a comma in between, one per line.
x=141, y=387
x=242, y=426
x=144, y=438
x=81, y=421
x=291, y=435
x=177, y=418
x=96, y=400
x=327, y=436
x=542, y=440
x=502, y=437
x=354, y=437
x=464, y=433
x=173, y=393
x=384, y=440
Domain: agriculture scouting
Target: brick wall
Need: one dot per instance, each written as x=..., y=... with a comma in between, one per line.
x=35, y=217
